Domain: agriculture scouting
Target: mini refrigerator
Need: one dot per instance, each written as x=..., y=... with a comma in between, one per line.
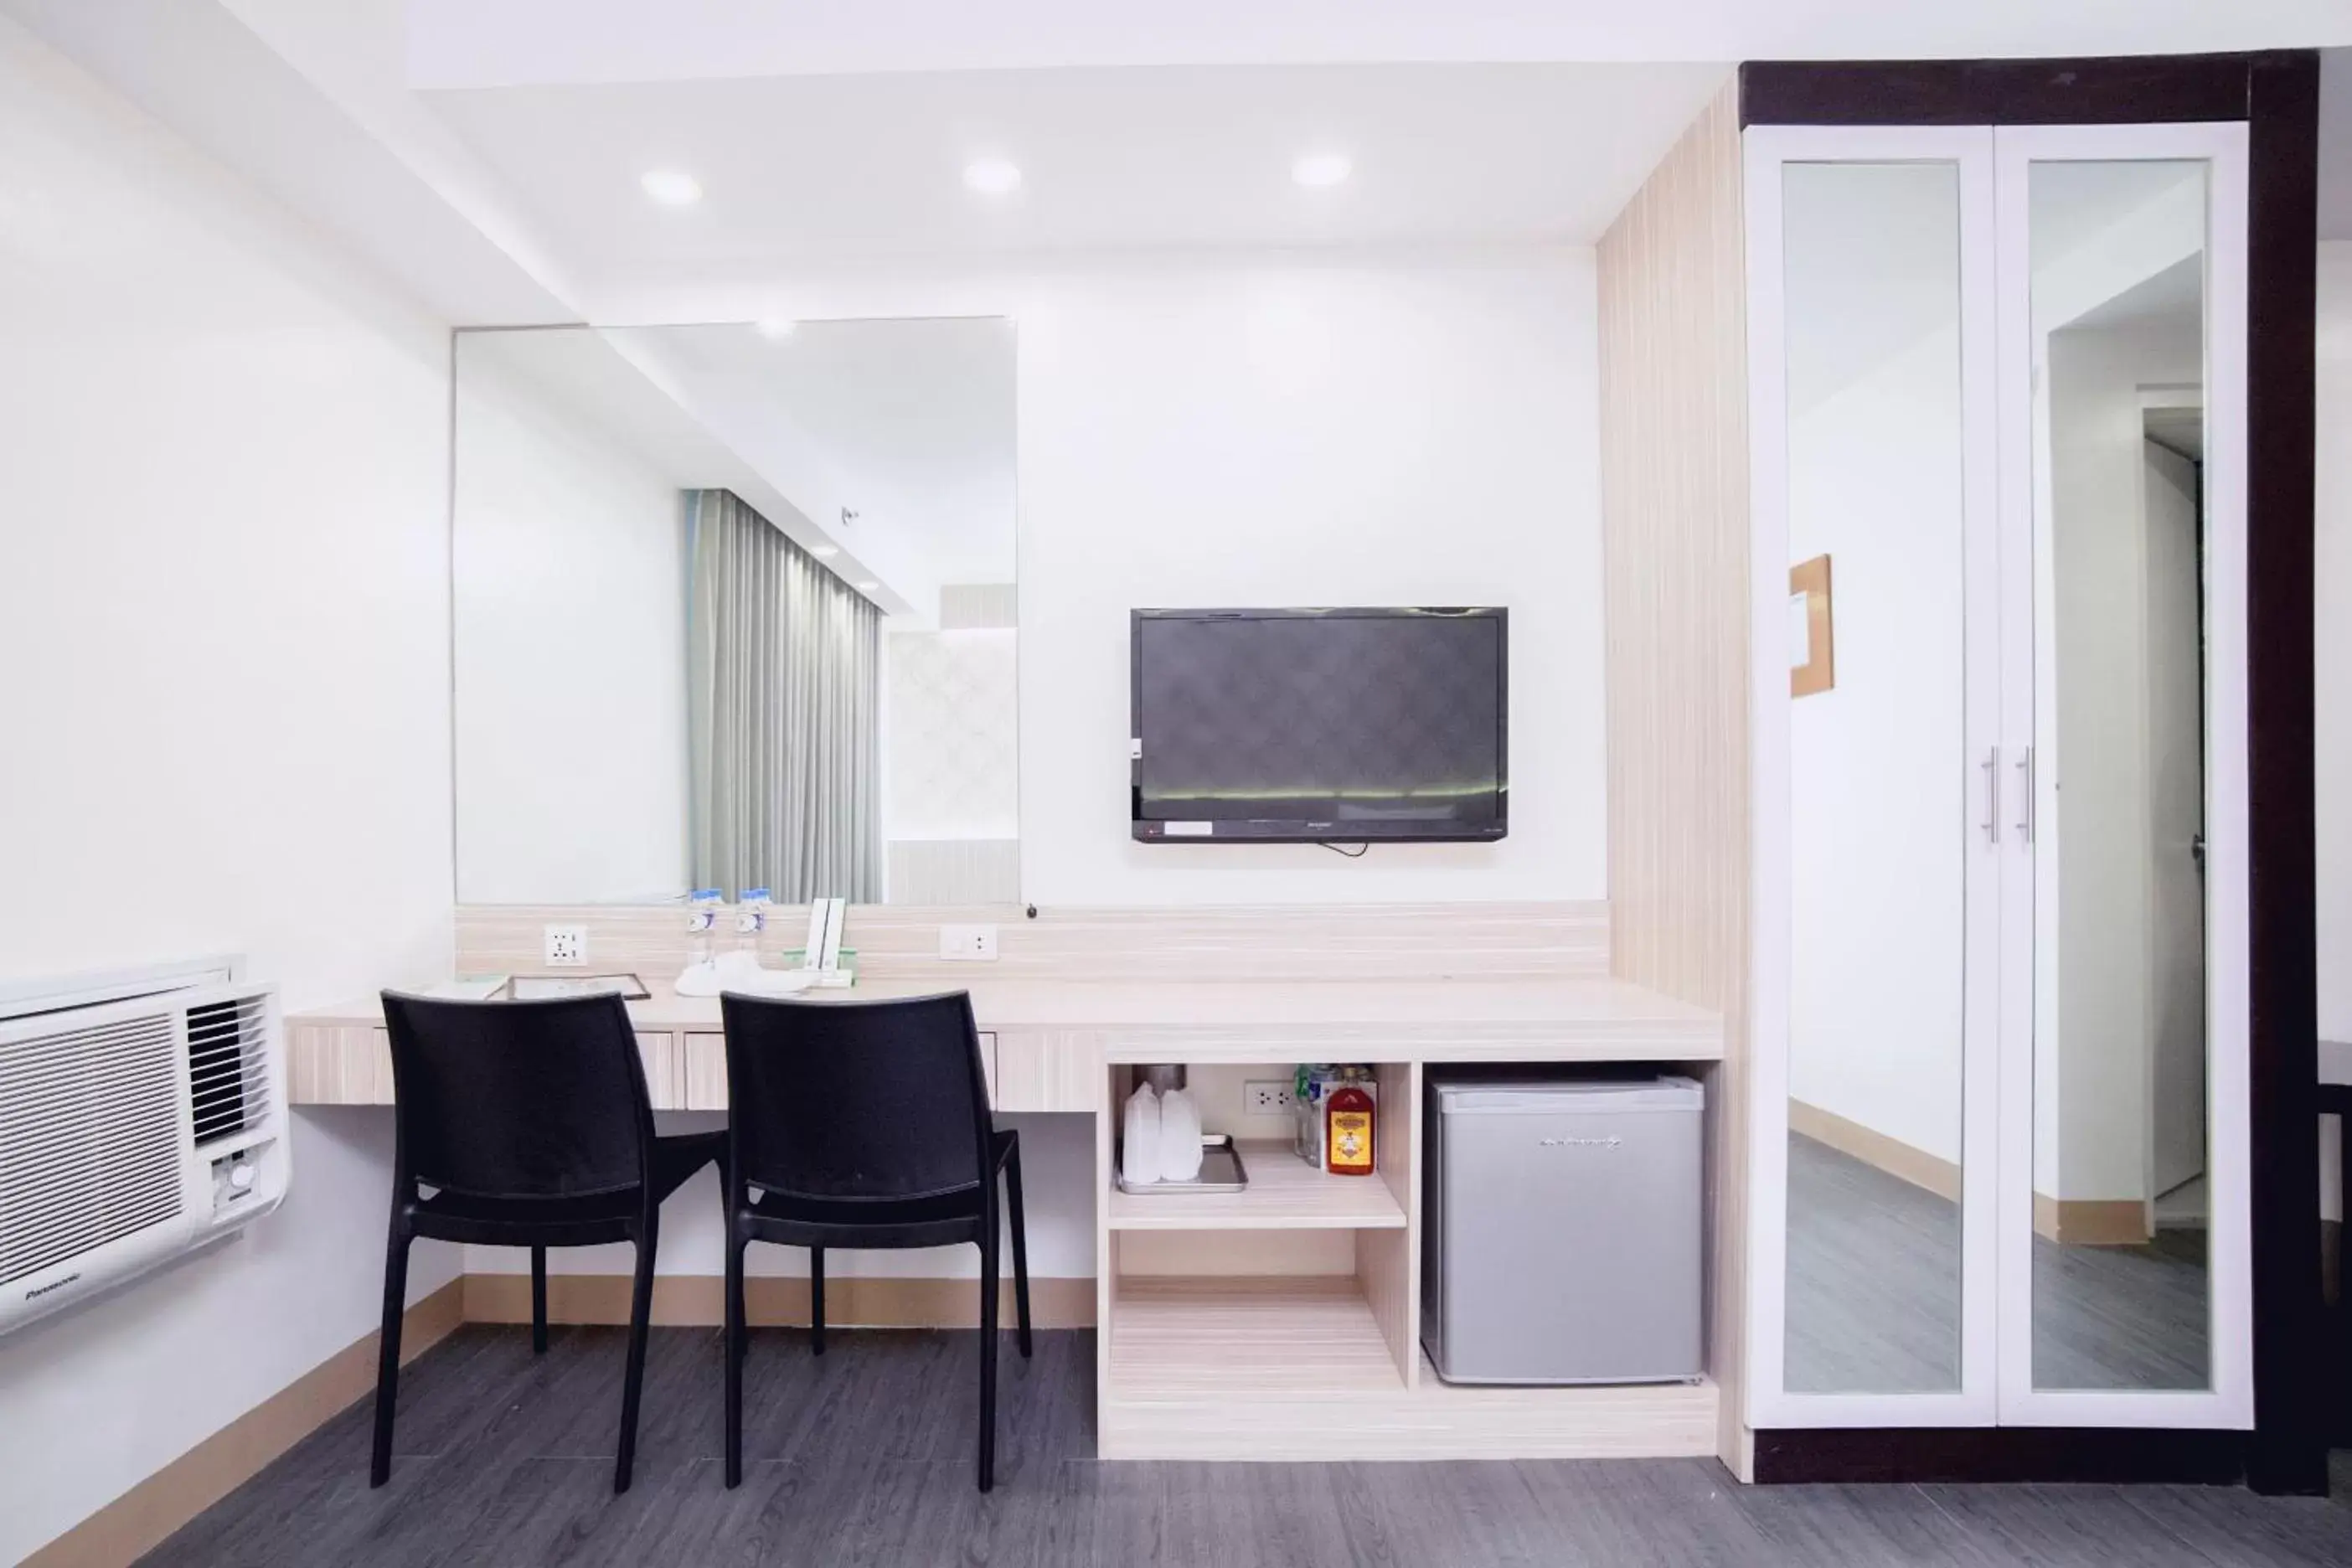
x=1561, y=1229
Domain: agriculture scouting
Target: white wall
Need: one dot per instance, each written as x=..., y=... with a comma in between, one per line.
x=951, y=765
x=571, y=651
x=1877, y=764
x=2332, y=587
x=2095, y=1119
x=223, y=619
x=1280, y=428
x=951, y=704
x=1878, y=767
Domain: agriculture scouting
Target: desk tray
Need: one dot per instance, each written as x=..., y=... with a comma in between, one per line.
x=1221, y=1171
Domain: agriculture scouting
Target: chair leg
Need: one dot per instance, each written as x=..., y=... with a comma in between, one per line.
x=1020, y=1242
x=387, y=1363
x=737, y=1339
x=817, y=1301
x=988, y=1288
x=632, y=1379
x=538, y=1301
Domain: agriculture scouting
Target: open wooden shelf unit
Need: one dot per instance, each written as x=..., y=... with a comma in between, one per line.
x=1218, y=1363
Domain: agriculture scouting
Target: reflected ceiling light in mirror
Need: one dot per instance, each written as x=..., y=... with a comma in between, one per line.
x=776, y=327
x=824, y=552
x=991, y=176
x=866, y=585
x=671, y=187
x=1321, y=171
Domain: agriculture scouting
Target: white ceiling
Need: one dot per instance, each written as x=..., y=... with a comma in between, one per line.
x=502, y=43
x=799, y=169
x=909, y=423
x=914, y=417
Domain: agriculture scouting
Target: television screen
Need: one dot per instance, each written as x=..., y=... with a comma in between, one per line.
x=1318, y=725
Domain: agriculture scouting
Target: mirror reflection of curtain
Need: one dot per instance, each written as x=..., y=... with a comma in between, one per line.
x=783, y=747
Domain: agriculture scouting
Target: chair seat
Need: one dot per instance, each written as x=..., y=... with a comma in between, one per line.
x=935, y=1219
x=586, y=1219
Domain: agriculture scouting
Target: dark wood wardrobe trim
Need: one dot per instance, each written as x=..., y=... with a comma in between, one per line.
x=2111, y=1455
x=2149, y=89
x=2277, y=93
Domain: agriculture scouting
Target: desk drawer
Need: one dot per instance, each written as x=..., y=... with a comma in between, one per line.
x=664, y=1069
x=338, y=1064
x=705, y=1070
x=1041, y=1073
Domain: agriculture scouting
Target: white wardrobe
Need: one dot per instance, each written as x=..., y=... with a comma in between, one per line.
x=1998, y=1154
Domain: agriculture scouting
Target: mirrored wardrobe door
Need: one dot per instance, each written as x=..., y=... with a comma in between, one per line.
x=1882, y=854
x=2123, y=1261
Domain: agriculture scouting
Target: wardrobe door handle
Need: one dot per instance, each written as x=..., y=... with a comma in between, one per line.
x=2025, y=812
x=1991, y=765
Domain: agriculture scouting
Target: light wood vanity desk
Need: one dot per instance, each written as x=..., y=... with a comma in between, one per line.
x=1277, y=1323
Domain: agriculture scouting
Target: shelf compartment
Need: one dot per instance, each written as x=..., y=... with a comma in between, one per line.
x=1285, y=1193
x=1299, y=1370
x=1228, y=1341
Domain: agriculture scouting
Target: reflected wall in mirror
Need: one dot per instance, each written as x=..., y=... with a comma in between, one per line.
x=1876, y=761
x=734, y=608
x=2121, y=1292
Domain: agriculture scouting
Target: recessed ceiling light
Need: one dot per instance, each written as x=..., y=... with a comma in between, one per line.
x=671, y=187
x=991, y=176
x=1319, y=171
x=866, y=585
x=824, y=552
x=777, y=328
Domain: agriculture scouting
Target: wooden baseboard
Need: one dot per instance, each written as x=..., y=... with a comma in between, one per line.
x=696, y=1300
x=141, y=1519
x=2091, y=1222
x=1872, y=1147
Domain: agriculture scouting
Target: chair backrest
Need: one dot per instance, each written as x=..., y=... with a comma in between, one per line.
x=854, y=1099
x=519, y=1100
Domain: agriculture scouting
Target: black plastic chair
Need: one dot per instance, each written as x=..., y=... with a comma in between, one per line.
x=525, y=1124
x=864, y=1124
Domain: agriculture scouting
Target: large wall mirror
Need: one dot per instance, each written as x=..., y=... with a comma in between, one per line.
x=734, y=608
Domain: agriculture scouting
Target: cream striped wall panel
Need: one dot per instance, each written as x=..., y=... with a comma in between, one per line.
x=1674, y=437
x=1329, y=942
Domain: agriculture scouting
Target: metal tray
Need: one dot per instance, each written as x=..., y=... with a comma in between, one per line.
x=1222, y=1171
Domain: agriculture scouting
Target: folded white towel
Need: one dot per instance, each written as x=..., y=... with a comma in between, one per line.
x=1138, y=1156
x=1180, y=1136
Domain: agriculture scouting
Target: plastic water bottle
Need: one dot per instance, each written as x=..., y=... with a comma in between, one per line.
x=701, y=916
x=751, y=922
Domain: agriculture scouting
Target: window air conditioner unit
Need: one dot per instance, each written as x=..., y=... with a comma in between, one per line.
x=133, y=1130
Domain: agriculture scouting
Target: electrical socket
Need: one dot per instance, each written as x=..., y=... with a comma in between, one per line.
x=567, y=946
x=970, y=944
x=1266, y=1097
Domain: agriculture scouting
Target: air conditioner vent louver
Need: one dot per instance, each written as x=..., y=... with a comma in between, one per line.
x=89, y=1139
x=228, y=1082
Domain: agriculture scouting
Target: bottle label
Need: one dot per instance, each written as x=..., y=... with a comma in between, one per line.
x=1351, y=1142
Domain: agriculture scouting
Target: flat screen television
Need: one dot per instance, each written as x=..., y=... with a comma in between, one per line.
x=1319, y=726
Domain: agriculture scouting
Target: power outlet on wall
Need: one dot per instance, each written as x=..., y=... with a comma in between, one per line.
x=567, y=946
x=1266, y=1097
x=971, y=944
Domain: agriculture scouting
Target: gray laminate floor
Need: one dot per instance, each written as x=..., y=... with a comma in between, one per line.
x=865, y=1458
x=1874, y=1292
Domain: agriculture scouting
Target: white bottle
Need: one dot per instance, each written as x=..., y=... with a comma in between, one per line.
x=1138, y=1154
x=700, y=977
x=1180, y=1136
x=751, y=923
x=701, y=918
